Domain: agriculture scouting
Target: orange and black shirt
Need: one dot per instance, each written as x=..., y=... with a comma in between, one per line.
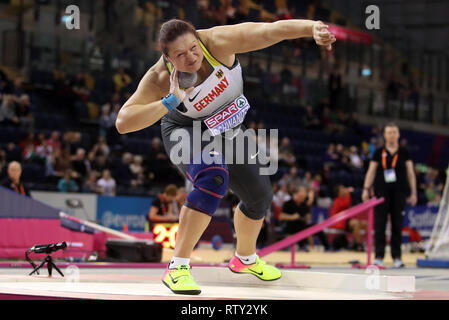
x=19, y=188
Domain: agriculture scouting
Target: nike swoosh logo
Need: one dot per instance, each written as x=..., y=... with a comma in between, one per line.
x=254, y=155
x=174, y=280
x=191, y=100
x=259, y=273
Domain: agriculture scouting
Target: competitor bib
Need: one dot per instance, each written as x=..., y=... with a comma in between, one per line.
x=229, y=117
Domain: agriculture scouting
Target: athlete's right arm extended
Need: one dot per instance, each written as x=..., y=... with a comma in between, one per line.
x=144, y=107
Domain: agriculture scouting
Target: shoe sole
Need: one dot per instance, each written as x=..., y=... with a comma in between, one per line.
x=187, y=292
x=255, y=275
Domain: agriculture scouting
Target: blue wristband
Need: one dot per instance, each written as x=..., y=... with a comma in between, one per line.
x=171, y=101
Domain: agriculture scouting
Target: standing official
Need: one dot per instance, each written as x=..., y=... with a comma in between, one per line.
x=392, y=175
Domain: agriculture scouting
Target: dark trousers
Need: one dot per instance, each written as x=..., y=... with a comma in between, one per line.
x=394, y=205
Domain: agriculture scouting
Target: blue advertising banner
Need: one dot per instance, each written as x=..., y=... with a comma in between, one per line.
x=421, y=218
x=115, y=212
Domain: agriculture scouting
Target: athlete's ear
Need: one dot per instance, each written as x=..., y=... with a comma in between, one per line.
x=167, y=58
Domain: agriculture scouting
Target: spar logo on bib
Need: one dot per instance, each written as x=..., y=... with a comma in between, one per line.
x=229, y=117
x=224, y=114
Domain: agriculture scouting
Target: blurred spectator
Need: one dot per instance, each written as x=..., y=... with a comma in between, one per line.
x=107, y=184
x=307, y=181
x=137, y=169
x=43, y=149
x=8, y=111
x=90, y=185
x=356, y=161
x=80, y=165
x=316, y=184
x=72, y=140
x=79, y=86
x=297, y=215
x=280, y=195
x=123, y=173
x=291, y=178
x=60, y=162
x=28, y=146
x=23, y=112
x=161, y=209
x=100, y=148
x=121, y=80
x=286, y=152
x=157, y=161
x=330, y=156
x=54, y=140
x=66, y=184
x=432, y=193
x=100, y=163
x=372, y=146
x=342, y=202
x=12, y=181
x=106, y=121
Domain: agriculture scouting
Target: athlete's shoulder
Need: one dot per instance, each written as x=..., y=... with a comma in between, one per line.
x=205, y=37
x=214, y=45
x=157, y=74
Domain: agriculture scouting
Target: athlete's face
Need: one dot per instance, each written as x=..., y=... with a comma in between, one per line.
x=185, y=53
x=391, y=134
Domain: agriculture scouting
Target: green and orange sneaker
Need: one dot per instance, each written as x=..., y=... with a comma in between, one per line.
x=180, y=281
x=260, y=269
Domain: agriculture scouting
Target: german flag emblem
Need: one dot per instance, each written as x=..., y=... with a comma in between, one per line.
x=219, y=74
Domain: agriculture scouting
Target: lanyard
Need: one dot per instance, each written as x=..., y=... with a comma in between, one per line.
x=384, y=159
x=22, y=190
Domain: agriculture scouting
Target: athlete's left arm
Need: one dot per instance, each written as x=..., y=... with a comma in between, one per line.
x=250, y=36
x=412, y=181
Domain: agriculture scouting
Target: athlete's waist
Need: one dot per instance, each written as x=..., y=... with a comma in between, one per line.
x=177, y=114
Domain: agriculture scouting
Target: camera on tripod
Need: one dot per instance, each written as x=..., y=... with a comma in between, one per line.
x=48, y=249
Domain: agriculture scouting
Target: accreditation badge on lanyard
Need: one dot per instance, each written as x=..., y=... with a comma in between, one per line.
x=389, y=174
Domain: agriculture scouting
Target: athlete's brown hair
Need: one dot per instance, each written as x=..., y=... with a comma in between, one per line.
x=171, y=30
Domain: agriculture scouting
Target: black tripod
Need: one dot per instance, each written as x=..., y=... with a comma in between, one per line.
x=50, y=265
x=46, y=248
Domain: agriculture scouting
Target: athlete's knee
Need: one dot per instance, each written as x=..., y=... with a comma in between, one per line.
x=257, y=208
x=210, y=182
